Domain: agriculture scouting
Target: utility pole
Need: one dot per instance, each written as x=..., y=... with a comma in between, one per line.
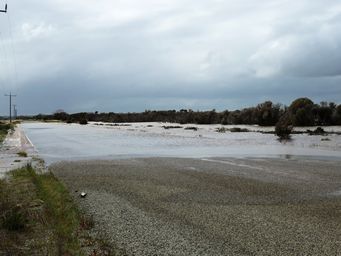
x=5, y=10
x=10, y=105
x=15, y=112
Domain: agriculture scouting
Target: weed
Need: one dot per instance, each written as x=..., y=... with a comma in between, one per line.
x=221, y=129
x=27, y=199
x=192, y=128
x=22, y=154
x=171, y=127
x=14, y=219
x=237, y=129
x=87, y=222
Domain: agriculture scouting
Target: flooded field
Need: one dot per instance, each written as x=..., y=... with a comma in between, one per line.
x=57, y=142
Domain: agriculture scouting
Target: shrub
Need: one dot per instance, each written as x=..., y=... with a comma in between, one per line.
x=172, y=127
x=237, y=129
x=22, y=154
x=191, y=128
x=83, y=122
x=317, y=131
x=221, y=129
x=284, y=128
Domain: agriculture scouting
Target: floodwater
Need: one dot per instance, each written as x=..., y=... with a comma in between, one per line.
x=56, y=142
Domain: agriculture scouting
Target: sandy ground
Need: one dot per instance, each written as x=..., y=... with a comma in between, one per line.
x=215, y=206
x=15, y=142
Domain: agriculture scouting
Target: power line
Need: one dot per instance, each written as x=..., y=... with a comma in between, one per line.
x=10, y=95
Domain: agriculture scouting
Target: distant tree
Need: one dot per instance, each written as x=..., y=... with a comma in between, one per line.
x=267, y=113
x=323, y=114
x=83, y=122
x=61, y=115
x=336, y=117
x=224, y=117
x=301, y=112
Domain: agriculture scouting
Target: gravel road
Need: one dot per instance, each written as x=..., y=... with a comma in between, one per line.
x=216, y=206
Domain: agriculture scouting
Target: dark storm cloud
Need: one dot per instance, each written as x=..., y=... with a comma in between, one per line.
x=134, y=55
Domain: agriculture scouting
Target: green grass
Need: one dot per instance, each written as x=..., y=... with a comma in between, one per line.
x=39, y=217
x=61, y=212
x=39, y=209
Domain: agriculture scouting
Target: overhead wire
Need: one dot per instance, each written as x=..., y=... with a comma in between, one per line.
x=8, y=56
x=14, y=58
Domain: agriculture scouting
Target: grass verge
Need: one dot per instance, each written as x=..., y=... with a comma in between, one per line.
x=37, y=216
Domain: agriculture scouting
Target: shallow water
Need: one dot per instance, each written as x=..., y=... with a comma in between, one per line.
x=56, y=142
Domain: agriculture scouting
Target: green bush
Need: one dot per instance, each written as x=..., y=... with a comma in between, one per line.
x=284, y=128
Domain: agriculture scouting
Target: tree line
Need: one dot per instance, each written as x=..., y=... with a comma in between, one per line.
x=301, y=112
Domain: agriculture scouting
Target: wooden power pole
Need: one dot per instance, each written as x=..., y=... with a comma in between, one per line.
x=10, y=95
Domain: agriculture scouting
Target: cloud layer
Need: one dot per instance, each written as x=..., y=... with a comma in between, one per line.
x=133, y=55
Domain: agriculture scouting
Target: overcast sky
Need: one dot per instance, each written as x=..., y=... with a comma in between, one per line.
x=132, y=55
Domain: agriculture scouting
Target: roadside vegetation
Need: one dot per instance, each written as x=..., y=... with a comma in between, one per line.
x=4, y=128
x=39, y=217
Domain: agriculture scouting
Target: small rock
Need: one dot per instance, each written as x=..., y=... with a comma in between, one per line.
x=83, y=194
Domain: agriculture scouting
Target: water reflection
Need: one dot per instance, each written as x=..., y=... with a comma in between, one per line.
x=56, y=142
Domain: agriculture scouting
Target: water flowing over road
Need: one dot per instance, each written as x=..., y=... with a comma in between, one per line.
x=56, y=142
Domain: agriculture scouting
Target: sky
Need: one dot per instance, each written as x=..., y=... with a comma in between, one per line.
x=133, y=55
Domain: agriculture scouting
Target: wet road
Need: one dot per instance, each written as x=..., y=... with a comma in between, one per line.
x=56, y=142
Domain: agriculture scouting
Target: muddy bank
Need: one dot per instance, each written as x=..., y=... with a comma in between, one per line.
x=169, y=206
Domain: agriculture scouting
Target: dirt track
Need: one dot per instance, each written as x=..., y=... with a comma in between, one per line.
x=169, y=206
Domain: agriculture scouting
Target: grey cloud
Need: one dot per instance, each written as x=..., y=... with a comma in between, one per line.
x=304, y=46
x=134, y=55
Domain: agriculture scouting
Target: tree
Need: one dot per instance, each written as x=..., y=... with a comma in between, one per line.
x=301, y=112
x=267, y=113
x=284, y=127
